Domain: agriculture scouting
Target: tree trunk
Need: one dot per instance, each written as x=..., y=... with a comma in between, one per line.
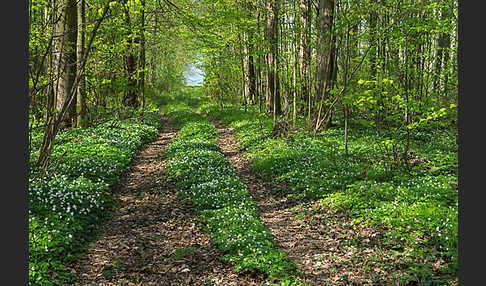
x=325, y=59
x=152, y=53
x=142, y=61
x=296, y=61
x=130, y=96
x=65, y=59
x=373, y=51
x=260, y=84
x=243, y=51
x=81, y=90
x=251, y=71
x=442, y=56
x=305, y=17
x=272, y=36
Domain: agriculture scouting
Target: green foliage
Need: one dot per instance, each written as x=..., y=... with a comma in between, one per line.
x=67, y=206
x=63, y=215
x=180, y=146
x=250, y=128
x=166, y=52
x=191, y=95
x=418, y=208
x=183, y=252
x=247, y=241
x=198, y=130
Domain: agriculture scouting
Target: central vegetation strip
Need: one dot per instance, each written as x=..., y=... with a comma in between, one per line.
x=229, y=215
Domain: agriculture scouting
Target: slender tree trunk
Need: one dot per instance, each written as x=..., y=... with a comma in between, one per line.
x=305, y=18
x=130, y=96
x=260, y=84
x=154, y=41
x=142, y=61
x=65, y=59
x=345, y=83
x=373, y=21
x=407, y=102
x=277, y=99
x=325, y=59
x=272, y=36
x=296, y=63
x=283, y=60
x=443, y=55
x=251, y=70
x=50, y=95
x=243, y=51
x=81, y=91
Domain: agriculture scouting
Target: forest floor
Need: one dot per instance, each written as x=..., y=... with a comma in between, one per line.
x=152, y=238
x=314, y=238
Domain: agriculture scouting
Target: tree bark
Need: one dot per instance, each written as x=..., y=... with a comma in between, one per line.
x=442, y=55
x=142, y=61
x=272, y=36
x=251, y=70
x=81, y=120
x=65, y=59
x=305, y=17
x=152, y=53
x=325, y=59
x=130, y=96
x=296, y=62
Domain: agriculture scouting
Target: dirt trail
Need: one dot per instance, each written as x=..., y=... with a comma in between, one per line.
x=319, y=242
x=152, y=238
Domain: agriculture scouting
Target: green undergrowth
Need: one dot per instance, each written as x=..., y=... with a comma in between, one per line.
x=418, y=209
x=191, y=95
x=228, y=214
x=67, y=205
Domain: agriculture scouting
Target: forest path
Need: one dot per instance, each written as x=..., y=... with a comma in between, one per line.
x=152, y=238
x=317, y=241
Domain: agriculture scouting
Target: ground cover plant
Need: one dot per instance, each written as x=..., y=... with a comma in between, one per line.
x=191, y=95
x=68, y=203
x=208, y=181
x=418, y=209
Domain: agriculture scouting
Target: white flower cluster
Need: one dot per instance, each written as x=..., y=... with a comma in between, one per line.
x=417, y=206
x=66, y=206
